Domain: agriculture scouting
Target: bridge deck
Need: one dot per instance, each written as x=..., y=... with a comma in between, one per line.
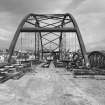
x=51, y=87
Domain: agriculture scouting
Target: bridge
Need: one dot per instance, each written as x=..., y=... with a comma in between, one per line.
x=46, y=54
x=55, y=38
x=51, y=32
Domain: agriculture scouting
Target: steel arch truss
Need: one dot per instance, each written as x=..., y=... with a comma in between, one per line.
x=97, y=59
x=46, y=26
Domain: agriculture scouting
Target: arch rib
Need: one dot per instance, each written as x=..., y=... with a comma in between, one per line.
x=80, y=40
x=13, y=43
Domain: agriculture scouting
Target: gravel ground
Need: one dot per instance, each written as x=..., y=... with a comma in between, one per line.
x=52, y=86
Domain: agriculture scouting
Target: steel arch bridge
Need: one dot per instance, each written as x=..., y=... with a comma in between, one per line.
x=49, y=31
x=97, y=59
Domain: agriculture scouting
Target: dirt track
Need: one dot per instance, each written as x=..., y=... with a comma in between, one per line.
x=49, y=86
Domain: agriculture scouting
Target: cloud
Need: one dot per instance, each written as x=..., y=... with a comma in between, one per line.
x=73, y=5
x=90, y=16
x=7, y=20
x=92, y=28
x=23, y=6
x=5, y=38
x=91, y=6
x=6, y=26
x=4, y=35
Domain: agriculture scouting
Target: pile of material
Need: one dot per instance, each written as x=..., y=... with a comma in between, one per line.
x=13, y=72
x=93, y=71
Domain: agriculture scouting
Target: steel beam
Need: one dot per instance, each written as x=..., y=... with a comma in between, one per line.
x=35, y=46
x=50, y=41
x=81, y=43
x=60, y=38
x=38, y=25
x=28, y=29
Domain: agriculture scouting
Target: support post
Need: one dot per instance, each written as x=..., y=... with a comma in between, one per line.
x=35, y=45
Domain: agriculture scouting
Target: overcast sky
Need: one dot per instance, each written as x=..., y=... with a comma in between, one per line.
x=90, y=16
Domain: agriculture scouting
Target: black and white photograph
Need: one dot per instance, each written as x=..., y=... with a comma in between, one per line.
x=52, y=52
